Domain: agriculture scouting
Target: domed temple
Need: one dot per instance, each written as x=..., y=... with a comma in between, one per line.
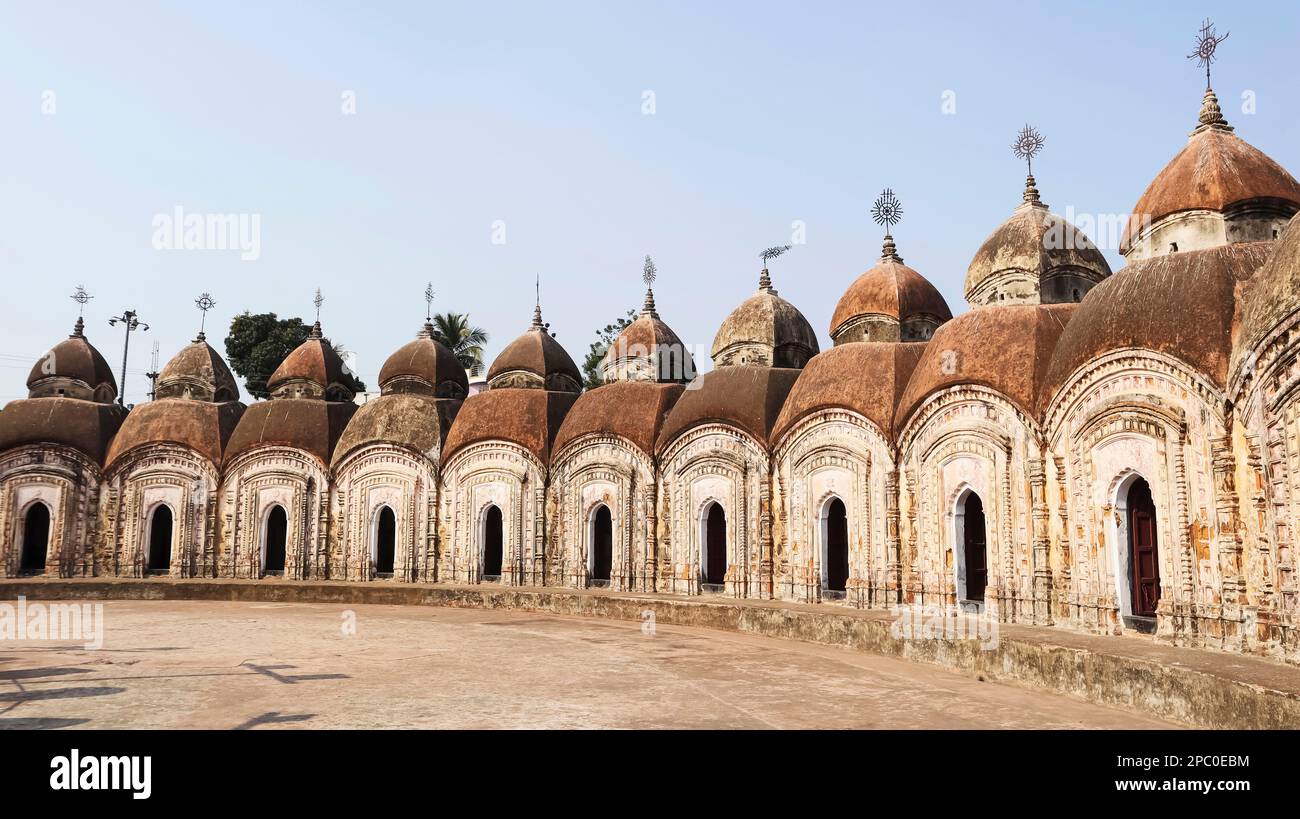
x=1102, y=451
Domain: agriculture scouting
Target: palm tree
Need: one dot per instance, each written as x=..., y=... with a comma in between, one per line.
x=465, y=341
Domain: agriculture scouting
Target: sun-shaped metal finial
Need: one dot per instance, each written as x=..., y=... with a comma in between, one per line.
x=205, y=303
x=887, y=210
x=80, y=296
x=1028, y=144
x=318, y=301
x=773, y=253
x=649, y=273
x=428, y=302
x=1206, y=44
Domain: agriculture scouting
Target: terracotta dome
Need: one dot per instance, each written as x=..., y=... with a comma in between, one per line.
x=633, y=410
x=85, y=426
x=1182, y=305
x=412, y=420
x=1270, y=297
x=1006, y=348
x=647, y=350
x=535, y=360
x=527, y=417
x=866, y=378
x=765, y=330
x=890, y=302
x=424, y=366
x=1034, y=257
x=202, y=426
x=313, y=370
x=73, y=369
x=298, y=423
x=197, y=372
x=744, y=396
x=1215, y=171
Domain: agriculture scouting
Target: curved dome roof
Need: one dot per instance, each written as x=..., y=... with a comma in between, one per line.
x=648, y=338
x=75, y=359
x=527, y=417
x=1271, y=295
x=864, y=377
x=314, y=361
x=203, y=426
x=85, y=426
x=1181, y=304
x=197, y=372
x=424, y=365
x=744, y=396
x=1006, y=348
x=891, y=289
x=765, y=330
x=412, y=420
x=634, y=410
x=1034, y=242
x=1216, y=169
x=299, y=423
x=535, y=360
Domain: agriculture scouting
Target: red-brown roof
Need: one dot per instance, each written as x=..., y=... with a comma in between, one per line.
x=202, y=426
x=892, y=289
x=417, y=422
x=85, y=426
x=634, y=410
x=309, y=424
x=746, y=397
x=527, y=417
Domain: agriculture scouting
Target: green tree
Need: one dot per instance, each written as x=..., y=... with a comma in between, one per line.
x=259, y=342
x=463, y=339
x=596, y=354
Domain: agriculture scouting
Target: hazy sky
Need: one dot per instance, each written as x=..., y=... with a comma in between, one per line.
x=533, y=115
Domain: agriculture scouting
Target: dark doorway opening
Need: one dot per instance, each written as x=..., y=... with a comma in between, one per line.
x=715, y=546
x=975, y=548
x=385, y=542
x=160, y=540
x=837, y=546
x=1144, y=573
x=602, y=545
x=277, y=535
x=492, y=544
x=36, y=539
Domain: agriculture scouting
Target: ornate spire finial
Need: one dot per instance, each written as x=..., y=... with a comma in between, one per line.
x=1207, y=43
x=205, y=303
x=318, y=301
x=648, y=275
x=428, y=303
x=1029, y=143
x=764, y=280
x=537, y=307
x=80, y=296
x=888, y=211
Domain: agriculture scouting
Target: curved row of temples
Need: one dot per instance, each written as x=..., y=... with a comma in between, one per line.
x=1087, y=450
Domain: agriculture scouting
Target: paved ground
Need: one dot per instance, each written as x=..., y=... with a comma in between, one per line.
x=245, y=665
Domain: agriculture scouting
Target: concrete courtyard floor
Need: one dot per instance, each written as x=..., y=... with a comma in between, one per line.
x=181, y=664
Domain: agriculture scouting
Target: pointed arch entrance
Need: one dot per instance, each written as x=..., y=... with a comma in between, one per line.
x=36, y=539
x=972, y=548
x=1144, y=550
x=385, y=542
x=277, y=535
x=159, y=559
x=714, y=559
x=600, y=561
x=835, y=546
x=493, y=539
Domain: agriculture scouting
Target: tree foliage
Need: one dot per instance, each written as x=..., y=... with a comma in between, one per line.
x=259, y=342
x=604, y=338
x=462, y=338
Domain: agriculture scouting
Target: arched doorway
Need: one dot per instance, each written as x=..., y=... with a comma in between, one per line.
x=1144, y=552
x=715, y=545
x=601, y=559
x=492, y=543
x=974, y=548
x=835, y=546
x=36, y=539
x=385, y=542
x=277, y=535
x=160, y=540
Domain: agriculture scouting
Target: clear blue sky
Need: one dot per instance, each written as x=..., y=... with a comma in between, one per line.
x=531, y=113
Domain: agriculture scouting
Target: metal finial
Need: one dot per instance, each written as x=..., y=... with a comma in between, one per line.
x=648, y=272
x=537, y=306
x=428, y=303
x=887, y=210
x=772, y=253
x=318, y=301
x=1206, y=44
x=1028, y=144
x=80, y=296
x=205, y=303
